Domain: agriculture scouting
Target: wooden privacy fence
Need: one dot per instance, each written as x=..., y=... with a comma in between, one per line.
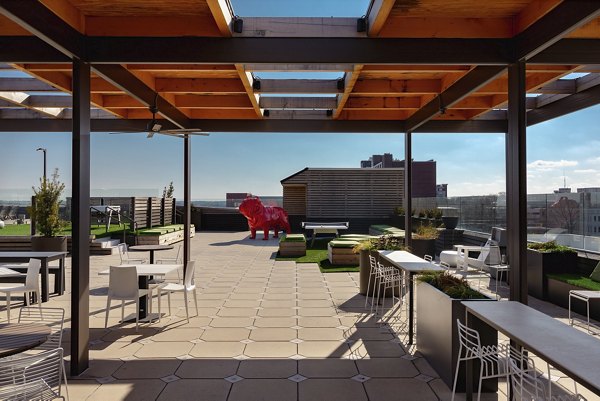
x=145, y=211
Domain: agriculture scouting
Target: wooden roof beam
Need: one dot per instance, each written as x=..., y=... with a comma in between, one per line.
x=200, y=85
x=220, y=12
x=558, y=22
x=280, y=102
x=248, y=81
x=378, y=15
x=307, y=86
x=389, y=87
x=24, y=85
x=297, y=67
x=384, y=103
x=299, y=27
x=575, y=102
x=350, y=79
x=122, y=78
x=469, y=83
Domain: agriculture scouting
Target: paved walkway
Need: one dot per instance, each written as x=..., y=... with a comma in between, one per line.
x=266, y=330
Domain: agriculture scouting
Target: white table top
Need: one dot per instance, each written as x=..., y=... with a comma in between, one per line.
x=469, y=247
x=571, y=351
x=149, y=270
x=6, y=272
x=409, y=262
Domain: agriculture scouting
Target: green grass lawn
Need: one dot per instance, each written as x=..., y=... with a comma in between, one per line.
x=318, y=254
x=98, y=230
x=577, y=280
x=15, y=229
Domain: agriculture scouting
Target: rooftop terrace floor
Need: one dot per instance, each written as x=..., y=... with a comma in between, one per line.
x=267, y=330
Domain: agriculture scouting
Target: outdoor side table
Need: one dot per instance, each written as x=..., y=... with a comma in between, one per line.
x=584, y=296
x=19, y=337
x=151, y=249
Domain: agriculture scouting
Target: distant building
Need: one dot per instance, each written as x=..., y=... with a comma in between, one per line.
x=588, y=190
x=441, y=191
x=424, y=173
x=234, y=199
x=562, y=191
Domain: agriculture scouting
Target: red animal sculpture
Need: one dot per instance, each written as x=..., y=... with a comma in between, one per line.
x=261, y=217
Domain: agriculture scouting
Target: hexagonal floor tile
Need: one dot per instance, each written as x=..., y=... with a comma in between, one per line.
x=217, y=349
x=271, y=349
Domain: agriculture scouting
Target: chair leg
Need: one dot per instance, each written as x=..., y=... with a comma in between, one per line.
x=169, y=301
x=159, y=305
x=8, y=306
x=187, y=312
x=107, y=310
x=39, y=302
x=122, y=312
x=137, y=315
x=368, y=288
x=456, y=373
x=196, y=302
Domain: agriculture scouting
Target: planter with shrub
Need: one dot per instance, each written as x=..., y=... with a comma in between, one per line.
x=45, y=213
x=423, y=241
x=547, y=258
x=371, y=247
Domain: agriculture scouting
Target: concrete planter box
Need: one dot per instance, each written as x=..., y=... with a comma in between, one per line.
x=422, y=247
x=558, y=294
x=48, y=244
x=540, y=264
x=437, y=335
x=164, y=239
x=398, y=221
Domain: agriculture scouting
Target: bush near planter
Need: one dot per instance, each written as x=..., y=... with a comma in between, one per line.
x=423, y=241
x=439, y=305
x=547, y=258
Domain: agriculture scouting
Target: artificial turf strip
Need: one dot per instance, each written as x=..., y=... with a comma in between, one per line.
x=577, y=280
x=15, y=229
x=318, y=254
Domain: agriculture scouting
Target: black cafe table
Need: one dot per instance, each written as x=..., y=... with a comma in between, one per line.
x=151, y=249
x=45, y=257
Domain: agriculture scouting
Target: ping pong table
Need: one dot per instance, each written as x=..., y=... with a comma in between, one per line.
x=324, y=228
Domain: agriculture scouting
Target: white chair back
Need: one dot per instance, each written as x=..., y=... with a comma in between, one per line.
x=123, y=253
x=123, y=282
x=469, y=340
x=51, y=317
x=490, y=253
x=188, y=280
x=178, y=252
x=525, y=385
x=33, y=274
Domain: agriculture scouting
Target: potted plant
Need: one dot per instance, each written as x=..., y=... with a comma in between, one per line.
x=439, y=297
x=398, y=217
x=545, y=258
x=436, y=217
x=45, y=212
x=423, y=240
x=449, y=217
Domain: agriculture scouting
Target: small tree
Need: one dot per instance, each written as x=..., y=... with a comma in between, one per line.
x=168, y=191
x=45, y=209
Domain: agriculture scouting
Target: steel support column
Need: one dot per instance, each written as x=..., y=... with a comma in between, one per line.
x=187, y=200
x=408, y=189
x=80, y=254
x=516, y=182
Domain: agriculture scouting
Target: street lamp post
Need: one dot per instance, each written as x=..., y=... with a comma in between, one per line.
x=43, y=150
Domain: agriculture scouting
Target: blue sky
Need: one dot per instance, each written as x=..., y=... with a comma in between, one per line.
x=472, y=164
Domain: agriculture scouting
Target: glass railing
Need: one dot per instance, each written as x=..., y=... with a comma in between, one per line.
x=571, y=219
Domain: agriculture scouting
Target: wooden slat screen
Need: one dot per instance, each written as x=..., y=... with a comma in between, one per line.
x=345, y=193
x=294, y=199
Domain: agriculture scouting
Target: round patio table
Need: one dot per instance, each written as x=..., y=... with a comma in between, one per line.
x=151, y=249
x=19, y=337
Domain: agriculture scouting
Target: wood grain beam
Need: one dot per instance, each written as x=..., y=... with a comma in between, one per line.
x=350, y=79
x=289, y=86
x=387, y=87
x=222, y=15
x=299, y=27
x=280, y=102
x=469, y=83
x=123, y=79
x=378, y=15
x=201, y=85
x=163, y=26
x=248, y=81
x=447, y=27
x=383, y=103
x=558, y=22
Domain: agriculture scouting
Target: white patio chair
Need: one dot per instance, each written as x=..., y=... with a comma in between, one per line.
x=187, y=286
x=33, y=377
x=173, y=261
x=372, y=275
x=389, y=278
x=123, y=286
x=31, y=286
x=124, y=255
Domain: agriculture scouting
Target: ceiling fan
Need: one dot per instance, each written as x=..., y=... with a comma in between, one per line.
x=155, y=127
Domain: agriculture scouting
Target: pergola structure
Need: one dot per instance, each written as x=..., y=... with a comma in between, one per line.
x=406, y=66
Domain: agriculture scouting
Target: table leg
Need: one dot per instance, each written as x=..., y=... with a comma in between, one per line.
x=61, y=266
x=469, y=368
x=143, y=284
x=411, y=312
x=45, y=280
x=151, y=258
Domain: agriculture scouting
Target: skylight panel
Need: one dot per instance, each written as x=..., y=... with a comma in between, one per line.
x=303, y=8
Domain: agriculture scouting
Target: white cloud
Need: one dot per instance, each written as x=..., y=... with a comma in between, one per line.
x=587, y=171
x=546, y=165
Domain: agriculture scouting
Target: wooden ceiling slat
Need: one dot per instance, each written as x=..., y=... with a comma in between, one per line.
x=165, y=25
x=205, y=86
x=390, y=87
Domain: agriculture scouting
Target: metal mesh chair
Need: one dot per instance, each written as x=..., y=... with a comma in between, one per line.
x=33, y=377
x=372, y=274
x=51, y=317
x=389, y=278
x=528, y=387
x=493, y=360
